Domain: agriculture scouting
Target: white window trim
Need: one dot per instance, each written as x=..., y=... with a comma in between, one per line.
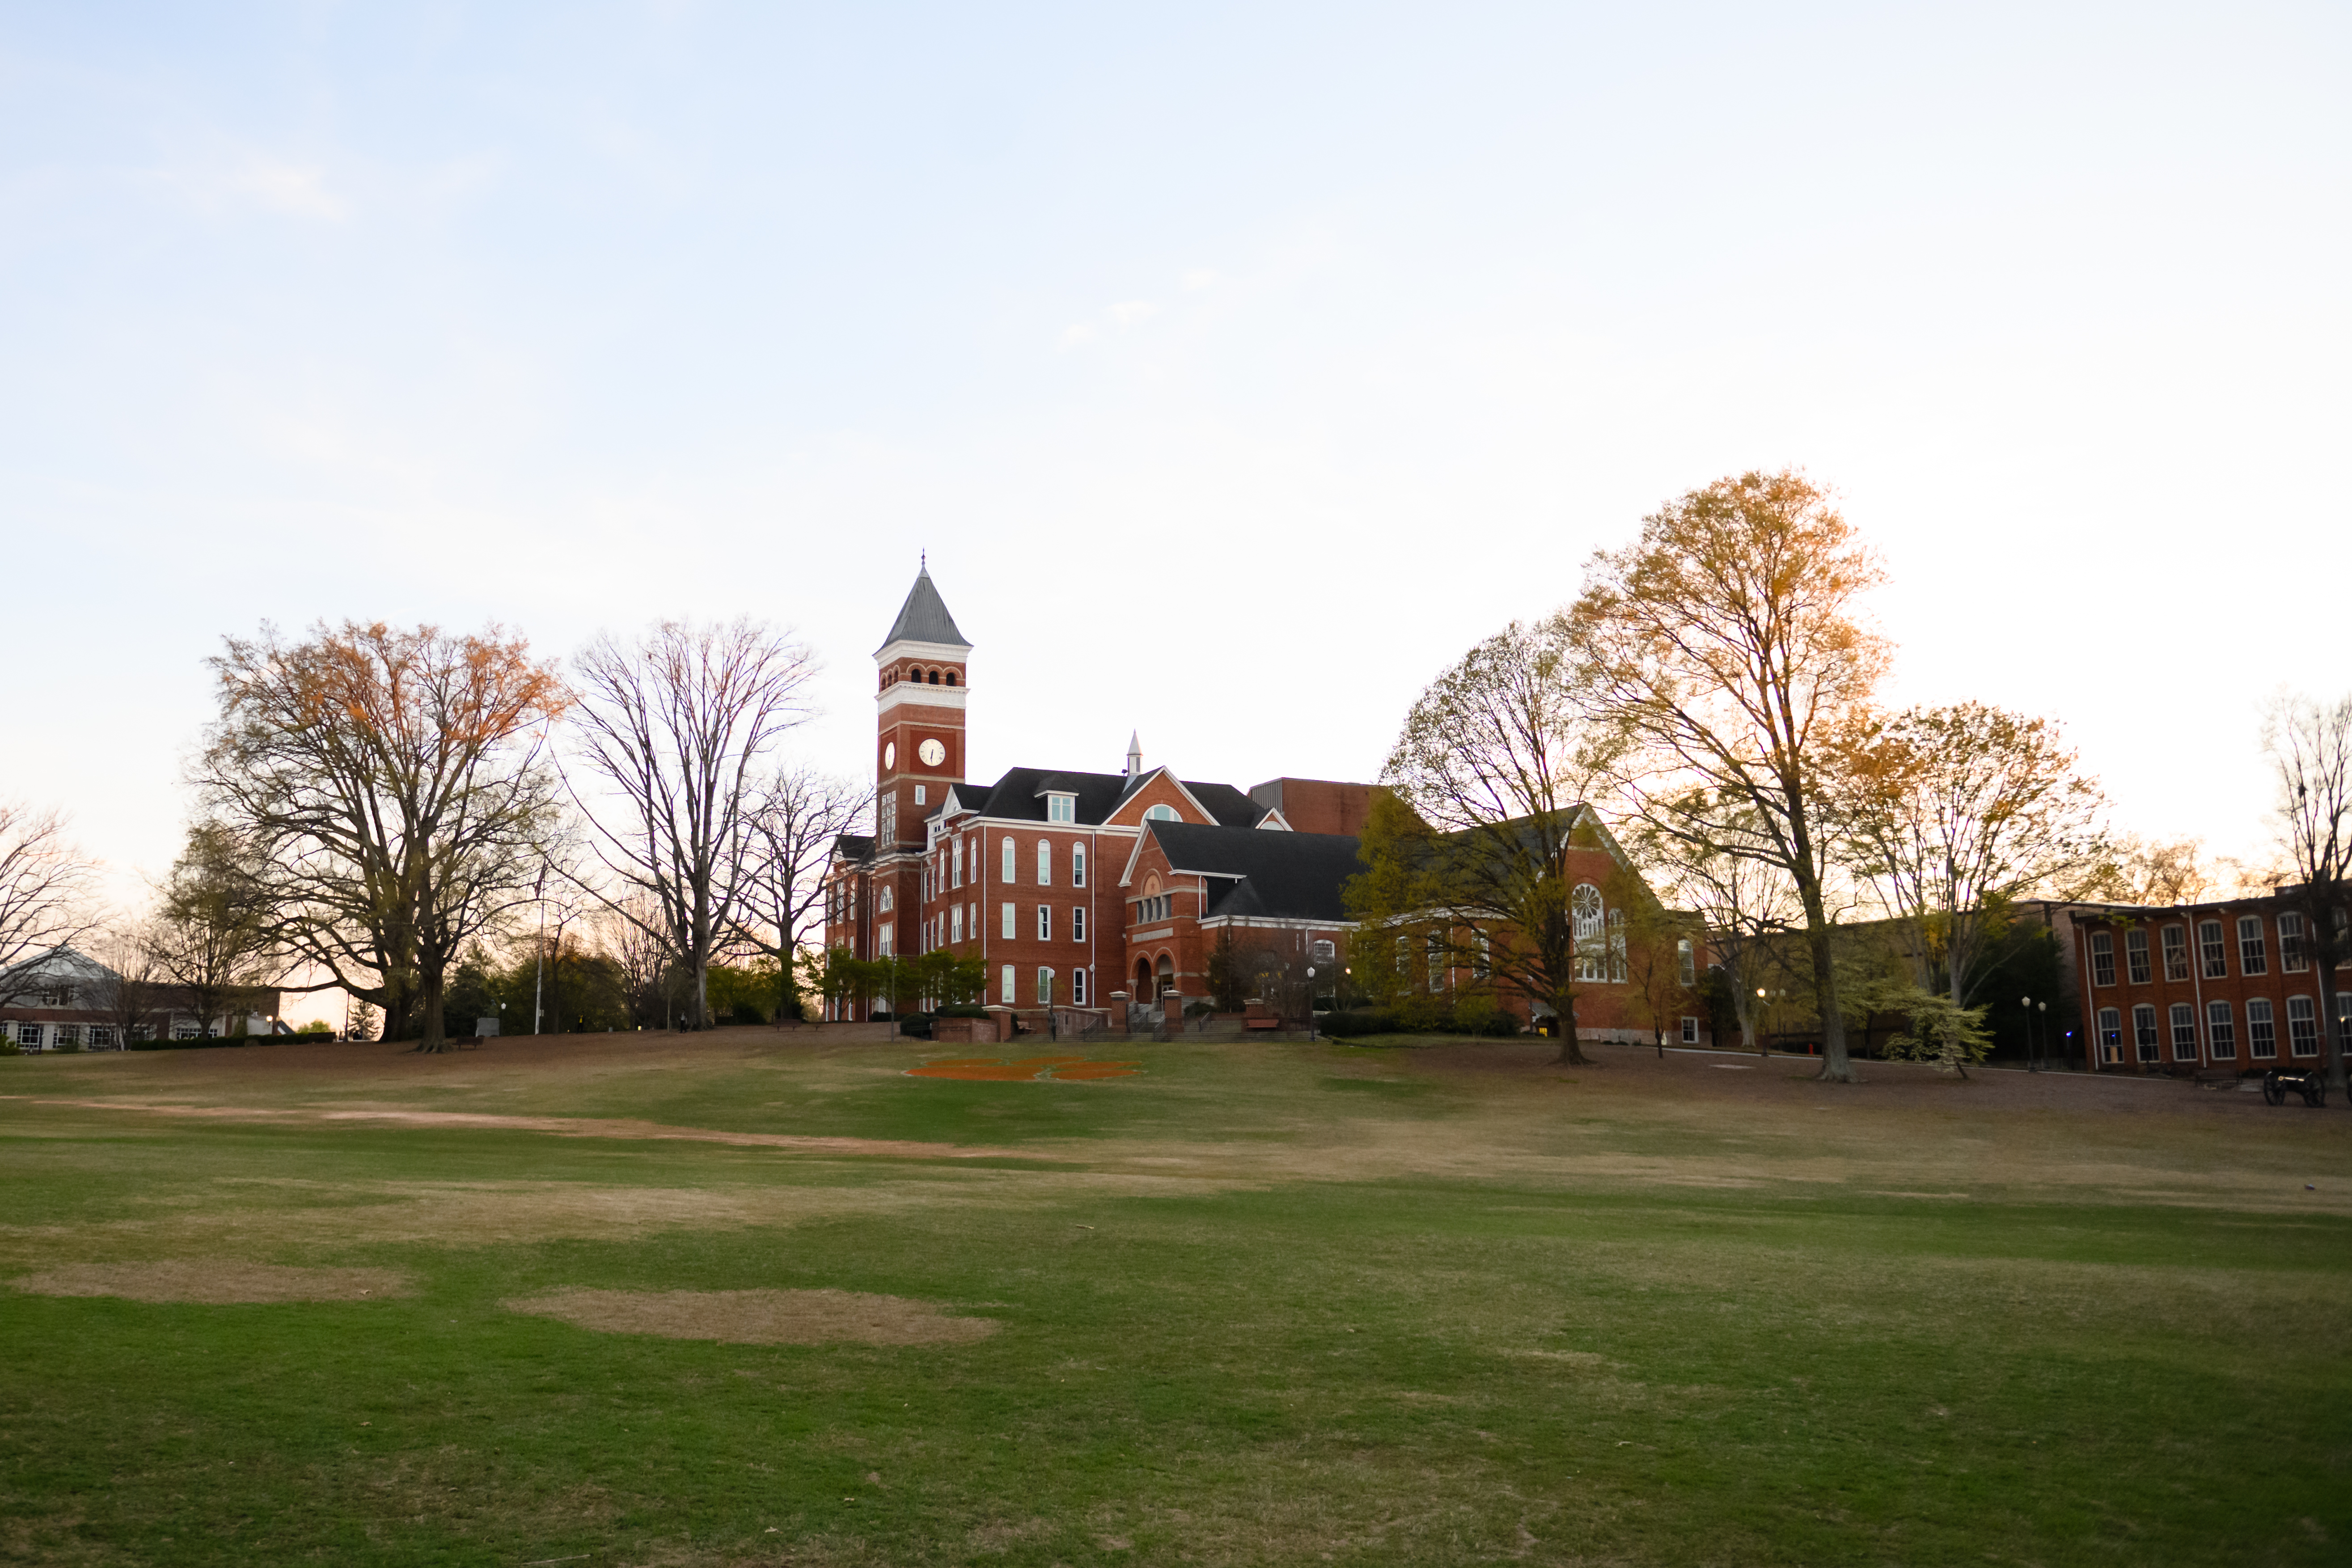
x=1012, y=922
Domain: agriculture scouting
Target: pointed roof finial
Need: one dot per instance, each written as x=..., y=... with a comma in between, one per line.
x=1134, y=754
x=924, y=617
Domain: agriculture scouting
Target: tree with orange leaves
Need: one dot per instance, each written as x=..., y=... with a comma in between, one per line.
x=396, y=787
x=1726, y=648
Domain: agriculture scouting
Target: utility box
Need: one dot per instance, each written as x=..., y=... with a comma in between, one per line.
x=486, y=1029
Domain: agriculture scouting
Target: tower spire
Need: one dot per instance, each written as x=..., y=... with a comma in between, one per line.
x=1134, y=757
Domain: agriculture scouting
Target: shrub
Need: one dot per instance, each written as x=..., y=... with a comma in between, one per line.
x=1365, y=1021
x=745, y=1015
x=961, y=1010
x=316, y=1027
x=1199, y=1010
x=9, y=1047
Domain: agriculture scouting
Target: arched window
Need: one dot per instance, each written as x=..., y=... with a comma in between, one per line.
x=1077, y=864
x=1008, y=859
x=2111, y=1035
x=1044, y=863
x=1590, y=928
x=951, y=678
x=1160, y=814
x=2144, y=1040
x=935, y=677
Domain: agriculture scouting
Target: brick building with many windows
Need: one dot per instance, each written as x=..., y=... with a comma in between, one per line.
x=2230, y=986
x=1097, y=892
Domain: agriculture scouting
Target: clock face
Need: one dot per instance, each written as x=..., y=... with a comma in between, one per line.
x=932, y=754
x=890, y=754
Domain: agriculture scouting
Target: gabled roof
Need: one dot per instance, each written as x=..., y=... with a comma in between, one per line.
x=1020, y=796
x=853, y=847
x=1284, y=875
x=924, y=617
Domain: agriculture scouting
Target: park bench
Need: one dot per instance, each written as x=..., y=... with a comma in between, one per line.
x=2305, y=1081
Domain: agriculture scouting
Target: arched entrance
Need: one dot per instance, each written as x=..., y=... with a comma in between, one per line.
x=1143, y=992
x=1167, y=976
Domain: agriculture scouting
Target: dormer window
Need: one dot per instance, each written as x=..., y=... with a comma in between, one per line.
x=1061, y=808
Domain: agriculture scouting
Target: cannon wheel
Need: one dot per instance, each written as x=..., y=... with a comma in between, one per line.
x=2273, y=1094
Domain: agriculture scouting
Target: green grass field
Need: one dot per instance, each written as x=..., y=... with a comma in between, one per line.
x=1270, y=1303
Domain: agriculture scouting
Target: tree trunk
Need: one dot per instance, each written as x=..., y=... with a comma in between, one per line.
x=1571, y=1054
x=1836, y=1066
x=432, y=1035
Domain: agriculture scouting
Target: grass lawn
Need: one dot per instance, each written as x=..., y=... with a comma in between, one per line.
x=1256, y=1303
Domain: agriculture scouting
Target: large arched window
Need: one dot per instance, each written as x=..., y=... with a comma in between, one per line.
x=1587, y=916
x=1160, y=814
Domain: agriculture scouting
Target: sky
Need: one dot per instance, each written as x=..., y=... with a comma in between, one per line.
x=1237, y=367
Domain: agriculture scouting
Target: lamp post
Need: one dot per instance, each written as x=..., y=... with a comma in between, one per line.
x=1310, y=1001
x=538, y=983
x=2032, y=1062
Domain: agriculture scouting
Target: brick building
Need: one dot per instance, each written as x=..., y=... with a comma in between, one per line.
x=2221, y=986
x=1093, y=890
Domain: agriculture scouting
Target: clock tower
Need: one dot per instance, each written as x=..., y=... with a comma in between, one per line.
x=922, y=668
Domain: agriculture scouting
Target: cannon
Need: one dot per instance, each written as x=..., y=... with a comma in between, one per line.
x=2305, y=1081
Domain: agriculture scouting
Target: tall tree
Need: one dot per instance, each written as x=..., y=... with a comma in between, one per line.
x=44, y=886
x=1659, y=950
x=1955, y=814
x=793, y=820
x=1487, y=781
x=2309, y=745
x=1724, y=644
x=395, y=785
x=214, y=934
x=679, y=724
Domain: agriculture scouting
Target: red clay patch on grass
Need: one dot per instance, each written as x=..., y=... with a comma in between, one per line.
x=1028, y=1070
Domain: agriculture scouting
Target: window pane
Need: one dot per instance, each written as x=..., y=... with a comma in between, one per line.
x=1078, y=924
x=2209, y=939
x=2103, y=958
x=2135, y=953
x=2302, y=1026
x=1077, y=864
x=2222, y=1030
x=2261, y=1029
x=1012, y=985
x=1045, y=864
x=1008, y=866
x=1009, y=917
x=2176, y=953
x=2252, y=959
x=2184, y=1032
x=2143, y=1031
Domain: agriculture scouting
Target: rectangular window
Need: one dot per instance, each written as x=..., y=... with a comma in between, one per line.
x=1690, y=1030
x=2143, y=1031
x=919, y=798
x=101, y=1037
x=1435, y=950
x=182, y=1031
x=1009, y=927
x=67, y=1035
x=1482, y=960
x=2135, y=957
x=1685, y=963
x=2184, y=1032
x=1045, y=922
x=2102, y=959
x=1044, y=987
x=2216, y=956
x=1008, y=863
x=28, y=1033
x=2302, y=1026
x=1012, y=982
x=1320, y=951
x=2253, y=958
x=2176, y=953
x=1045, y=864
x=886, y=939
x=955, y=923
x=2290, y=954
x=2111, y=1035
x=2262, y=1028
x=1061, y=808
x=1078, y=987
x=1077, y=864
x=1078, y=924
x=955, y=862
x=2220, y=1031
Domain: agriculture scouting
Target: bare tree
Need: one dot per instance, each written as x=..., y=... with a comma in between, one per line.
x=44, y=885
x=1744, y=904
x=1955, y=814
x=395, y=785
x=134, y=993
x=1725, y=648
x=2309, y=744
x=1489, y=776
x=793, y=821
x=678, y=725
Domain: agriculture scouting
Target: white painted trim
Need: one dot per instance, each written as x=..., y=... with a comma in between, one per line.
x=891, y=696
x=907, y=648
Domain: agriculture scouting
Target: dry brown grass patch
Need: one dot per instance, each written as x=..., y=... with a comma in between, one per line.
x=759, y=1317
x=215, y=1282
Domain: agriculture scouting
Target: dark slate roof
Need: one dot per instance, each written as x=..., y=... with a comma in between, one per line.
x=1020, y=796
x=853, y=847
x=1278, y=874
x=924, y=617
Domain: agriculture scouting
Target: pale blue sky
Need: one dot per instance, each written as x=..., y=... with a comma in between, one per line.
x=1238, y=366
